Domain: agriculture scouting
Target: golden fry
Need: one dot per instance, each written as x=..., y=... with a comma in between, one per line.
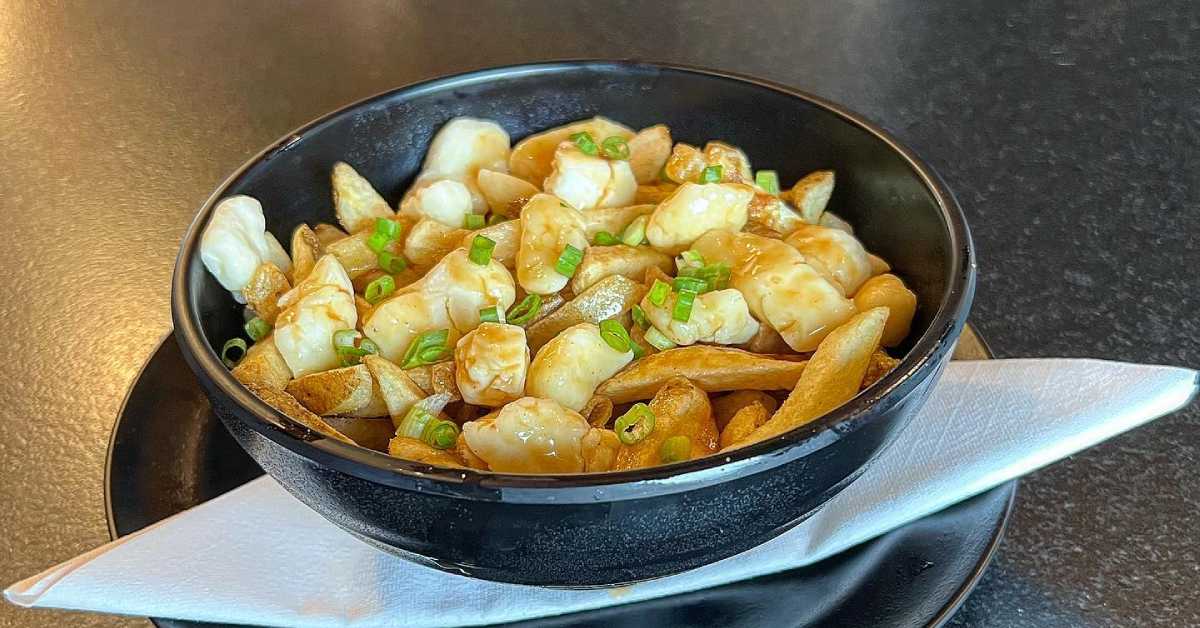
x=680, y=409
x=713, y=369
x=262, y=293
x=506, y=235
x=743, y=423
x=811, y=194
x=881, y=364
x=355, y=202
x=349, y=390
x=598, y=411
x=600, y=448
x=370, y=433
x=398, y=390
x=608, y=298
x=288, y=405
x=612, y=219
x=726, y=406
x=833, y=375
x=328, y=234
x=889, y=291
x=604, y=261
x=306, y=250
x=436, y=378
x=504, y=191
x=418, y=451
x=429, y=241
x=264, y=366
x=648, y=152
x=469, y=457
x=532, y=158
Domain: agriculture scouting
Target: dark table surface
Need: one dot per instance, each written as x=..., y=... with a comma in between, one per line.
x=1069, y=132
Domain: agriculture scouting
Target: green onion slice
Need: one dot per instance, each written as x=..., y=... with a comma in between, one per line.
x=568, y=261
x=658, y=340
x=717, y=275
x=481, y=250
x=233, y=351
x=636, y=424
x=682, y=311
x=379, y=289
x=615, y=335
x=415, y=421
x=495, y=219
x=604, y=238
x=389, y=229
x=695, y=284
x=635, y=233
x=391, y=263
x=675, y=449
x=659, y=292
x=345, y=338
x=638, y=351
x=440, y=434
x=639, y=316
x=711, y=174
x=615, y=147
x=257, y=329
x=474, y=221
x=524, y=312
x=378, y=242
x=689, y=259
x=369, y=346
x=428, y=348
x=489, y=315
x=585, y=142
x=768, y=180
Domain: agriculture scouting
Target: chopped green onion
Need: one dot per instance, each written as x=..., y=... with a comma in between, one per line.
x=495, y=219
x=524, y=312
x=615, y=147
x=615, y=335
x=635, y=425
x=658, y=340
x=473, y=221
x=379, y=289
x=415, y=421
x=369, y=346
x=233, y=343
x=427, y=348
x=481, y=250
x=689, y=258
x=682, y=311
x=675, y=449
x=345, y=338
x=378, y=242
x=639, y=316
x=489, y=315
x=257, y=329
x=391, y=263
x=694, y=284
x=638, y=351
x=585, y=142
x=659, y=292
x=716, y=275
x=390, y=229
x=605, y=238
x=711, y=174
x=635, y=233
x=568, y=261
x=768, y=180
x=440, y=434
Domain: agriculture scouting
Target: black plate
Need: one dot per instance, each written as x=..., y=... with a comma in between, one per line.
x=169, y=453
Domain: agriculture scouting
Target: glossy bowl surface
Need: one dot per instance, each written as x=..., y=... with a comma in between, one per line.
x=597, y=529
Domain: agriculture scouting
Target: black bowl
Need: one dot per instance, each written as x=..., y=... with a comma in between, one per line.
x=609, y=528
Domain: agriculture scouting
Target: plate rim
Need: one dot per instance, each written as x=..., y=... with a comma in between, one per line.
x=939, y=619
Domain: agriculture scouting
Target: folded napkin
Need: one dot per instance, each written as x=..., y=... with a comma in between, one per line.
x=257, y=556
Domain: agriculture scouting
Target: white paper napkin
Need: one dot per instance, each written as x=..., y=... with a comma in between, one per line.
x=258, y=556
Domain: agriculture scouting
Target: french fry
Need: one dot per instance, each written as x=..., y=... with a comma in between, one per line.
x=306, y=250
x=833, y=221
x=469, y=458
x=726, y=406
x=355, y=202
x=428, y=241
x=436, y=378
x=743, y=423
x=887, y=290
x=600, y=448
x=612, y=219
x=532, y=158
x=811, y=194
x=371, y=433
x=654, y=193
x=328, y=234
x=354, y=254
x=349, y=390
x=680, y=409
x=833, y=375
x=504, y=191
x=608, y=298
x=398, y=390
x=418, y=451
x=655, y=272
x=767, y=340
x=881, y=364
x=603, y=261
x=262, y=293
x=288, y=405
x=598, y=411
x=506, y=235
x=713, y=369
x=263, y=366
x=648, y=152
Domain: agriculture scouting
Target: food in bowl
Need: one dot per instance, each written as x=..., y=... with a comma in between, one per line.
x=590, y=299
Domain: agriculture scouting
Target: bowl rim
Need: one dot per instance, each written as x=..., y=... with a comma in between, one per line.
x=381, y=468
